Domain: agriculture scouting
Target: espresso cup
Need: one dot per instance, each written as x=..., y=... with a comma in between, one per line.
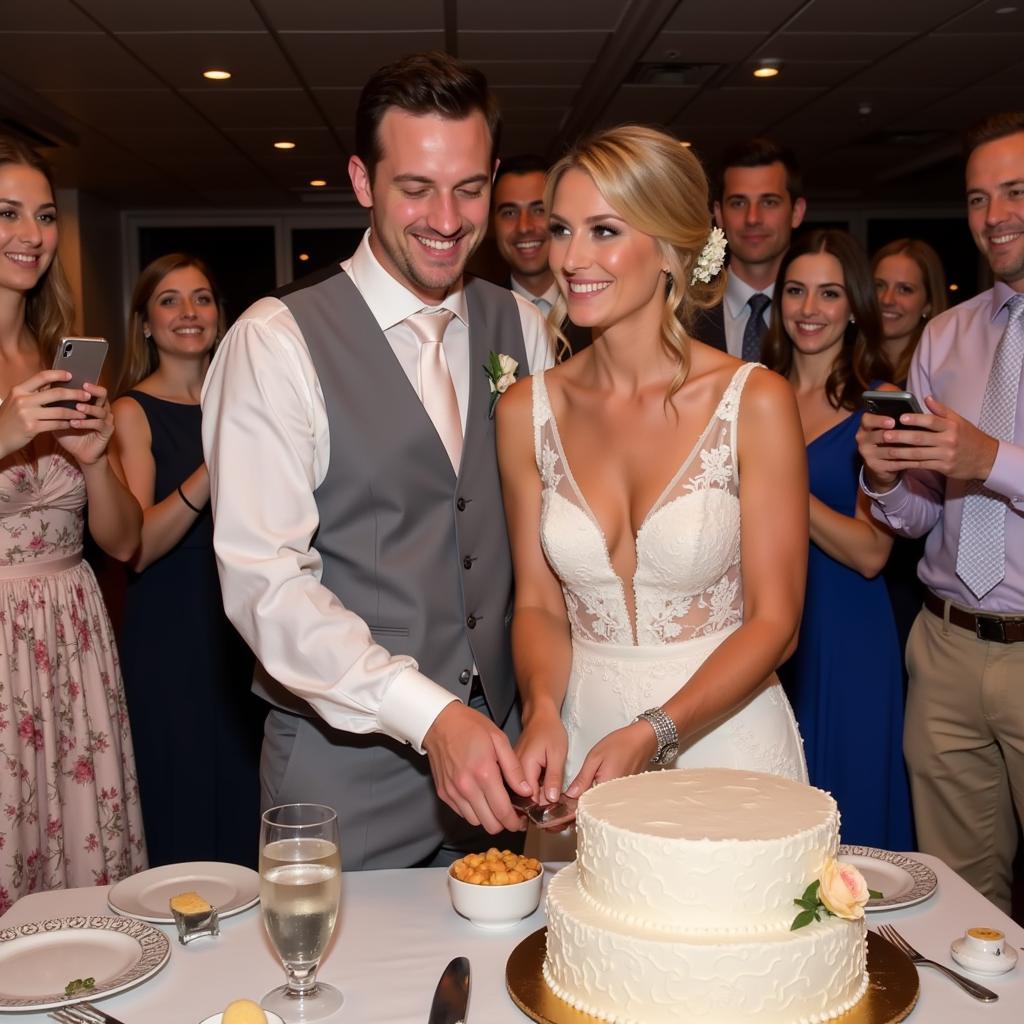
x=984, y=942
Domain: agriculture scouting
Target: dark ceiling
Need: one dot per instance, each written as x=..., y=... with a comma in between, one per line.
x=872, y=94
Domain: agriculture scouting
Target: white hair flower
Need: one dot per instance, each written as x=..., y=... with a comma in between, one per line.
x=711, y=258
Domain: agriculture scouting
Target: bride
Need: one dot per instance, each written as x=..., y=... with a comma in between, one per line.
x=656, y=495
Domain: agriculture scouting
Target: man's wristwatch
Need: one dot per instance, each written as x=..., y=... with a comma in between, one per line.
x=666, y=734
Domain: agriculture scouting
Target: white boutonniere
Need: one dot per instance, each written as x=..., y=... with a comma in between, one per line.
x=501, y=375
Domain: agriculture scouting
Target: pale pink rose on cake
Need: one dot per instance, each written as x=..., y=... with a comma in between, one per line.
x=843, y=890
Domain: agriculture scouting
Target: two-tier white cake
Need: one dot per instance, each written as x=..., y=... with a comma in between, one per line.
x=680, y=902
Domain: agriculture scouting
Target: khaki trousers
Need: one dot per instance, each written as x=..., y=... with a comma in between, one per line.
x=964, y=744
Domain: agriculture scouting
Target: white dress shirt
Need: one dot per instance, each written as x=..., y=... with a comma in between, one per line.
x=736, y=312
x=267, y=444
x=549, y=298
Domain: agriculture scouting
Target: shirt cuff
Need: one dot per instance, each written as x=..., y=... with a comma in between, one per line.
x=886, y=505
x=879, y=496
x=410, y=705
x=1007, y=476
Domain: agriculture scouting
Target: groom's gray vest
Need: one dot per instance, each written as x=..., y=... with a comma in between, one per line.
x=420, y=554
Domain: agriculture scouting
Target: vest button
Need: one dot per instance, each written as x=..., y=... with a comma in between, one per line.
x=467, y=562
x=471, y=622
x=461, y=504
x=465, y=676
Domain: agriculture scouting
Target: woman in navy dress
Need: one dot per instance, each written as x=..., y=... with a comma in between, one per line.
x=187, y=673
x=844, y=680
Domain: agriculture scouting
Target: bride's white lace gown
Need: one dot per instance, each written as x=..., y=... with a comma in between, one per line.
x=688, y=598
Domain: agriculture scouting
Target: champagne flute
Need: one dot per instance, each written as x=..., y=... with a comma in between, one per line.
x=300, y=888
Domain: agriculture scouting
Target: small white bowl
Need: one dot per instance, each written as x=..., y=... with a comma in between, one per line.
x=495, y=907
x=217, y=1018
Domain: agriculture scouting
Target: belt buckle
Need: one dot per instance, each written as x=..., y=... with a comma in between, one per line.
x=988, y=627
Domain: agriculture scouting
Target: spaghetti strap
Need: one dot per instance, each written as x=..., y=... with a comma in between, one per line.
x=541, y=411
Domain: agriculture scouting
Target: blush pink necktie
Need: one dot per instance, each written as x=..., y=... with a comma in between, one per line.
x=436, y=389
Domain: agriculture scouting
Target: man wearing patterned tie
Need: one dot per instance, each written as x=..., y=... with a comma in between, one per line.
x=359, y=529
x=956, y=474
x=520, y=225
x=759, y=205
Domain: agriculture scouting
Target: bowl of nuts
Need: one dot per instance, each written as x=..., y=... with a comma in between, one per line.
x=496, y=889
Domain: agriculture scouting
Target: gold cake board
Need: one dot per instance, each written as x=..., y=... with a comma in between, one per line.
x=892, y=992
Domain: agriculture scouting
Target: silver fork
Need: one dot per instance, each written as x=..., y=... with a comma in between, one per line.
x=889, y=933
x=82, y=1013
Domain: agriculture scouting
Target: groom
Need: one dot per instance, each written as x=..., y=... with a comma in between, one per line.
x=358, y=519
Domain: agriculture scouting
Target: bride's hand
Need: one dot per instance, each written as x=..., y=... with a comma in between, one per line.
x=627, y=751
x=541, y=750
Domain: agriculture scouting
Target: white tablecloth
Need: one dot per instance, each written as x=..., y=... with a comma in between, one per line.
x=397, y=931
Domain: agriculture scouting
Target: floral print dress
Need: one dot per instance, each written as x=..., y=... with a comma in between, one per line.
x=69, y=805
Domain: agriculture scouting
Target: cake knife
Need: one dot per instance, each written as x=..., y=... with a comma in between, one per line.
x=554, y=816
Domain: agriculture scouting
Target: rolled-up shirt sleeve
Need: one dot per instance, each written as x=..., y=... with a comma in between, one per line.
x=264, y=428
x=1007, y=474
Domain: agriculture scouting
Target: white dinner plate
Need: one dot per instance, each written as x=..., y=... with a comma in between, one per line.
x=901, y=880
x=37, y=960
x=230, y=888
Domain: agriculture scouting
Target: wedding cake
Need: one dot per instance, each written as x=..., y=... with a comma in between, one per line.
x=680, y=904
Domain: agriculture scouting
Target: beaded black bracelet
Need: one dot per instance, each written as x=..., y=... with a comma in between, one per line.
x=181, y=494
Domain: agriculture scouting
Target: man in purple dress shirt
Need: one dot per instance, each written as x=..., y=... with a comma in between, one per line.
x=959, y=478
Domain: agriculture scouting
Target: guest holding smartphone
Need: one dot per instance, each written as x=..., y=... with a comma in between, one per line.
x=67, y=786
x=183, y=660
x=844, y=679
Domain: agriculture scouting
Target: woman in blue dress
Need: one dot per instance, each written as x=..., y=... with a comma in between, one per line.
x=845, y=679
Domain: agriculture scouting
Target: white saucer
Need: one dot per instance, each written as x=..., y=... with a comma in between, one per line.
x=991, y=965
x=217, y=1018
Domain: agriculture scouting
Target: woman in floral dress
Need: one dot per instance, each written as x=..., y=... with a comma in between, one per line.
x=69, y=808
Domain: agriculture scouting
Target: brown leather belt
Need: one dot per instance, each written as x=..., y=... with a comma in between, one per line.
x=996, y=628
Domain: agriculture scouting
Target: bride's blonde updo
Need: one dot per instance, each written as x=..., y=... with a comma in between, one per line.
x=658, y=187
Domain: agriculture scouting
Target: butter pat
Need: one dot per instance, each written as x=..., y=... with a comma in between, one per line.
x=194, y=916
x=190, y=903
x=244, y=1011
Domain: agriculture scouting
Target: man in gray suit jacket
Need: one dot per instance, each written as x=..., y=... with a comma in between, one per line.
x=359, y=528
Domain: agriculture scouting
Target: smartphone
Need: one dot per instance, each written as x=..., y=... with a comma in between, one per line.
x=83, y=358
x=891, y=403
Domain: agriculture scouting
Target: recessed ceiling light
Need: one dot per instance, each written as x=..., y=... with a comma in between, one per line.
x=954, y=287
x=217, y=75
x=318, y=183
x=685, y=143
x=767, y=69
x=304, y=257
x=284, y=144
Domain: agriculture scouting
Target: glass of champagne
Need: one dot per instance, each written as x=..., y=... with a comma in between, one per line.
x=300, y=888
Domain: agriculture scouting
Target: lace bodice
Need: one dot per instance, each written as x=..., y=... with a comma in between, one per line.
x=687, y=582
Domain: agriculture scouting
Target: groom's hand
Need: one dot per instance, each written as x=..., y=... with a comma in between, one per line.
x=469, y=757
